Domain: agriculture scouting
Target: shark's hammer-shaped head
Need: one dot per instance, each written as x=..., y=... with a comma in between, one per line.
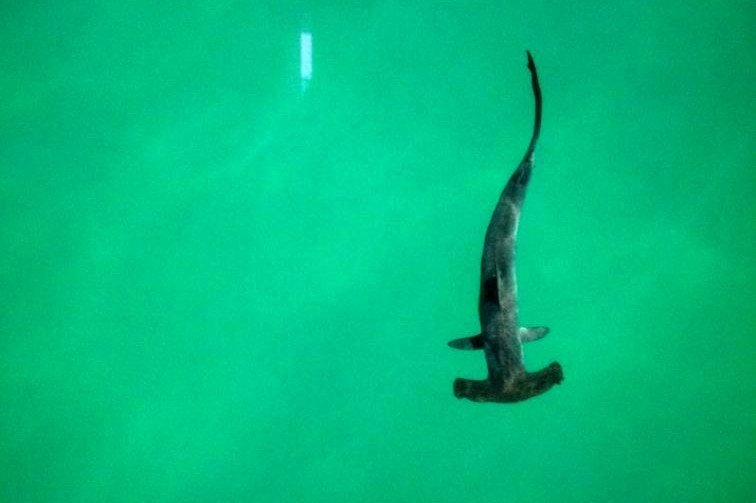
x=515, y=389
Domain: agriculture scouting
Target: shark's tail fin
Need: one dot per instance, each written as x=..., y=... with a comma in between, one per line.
x=518, y=181
x=538, y=106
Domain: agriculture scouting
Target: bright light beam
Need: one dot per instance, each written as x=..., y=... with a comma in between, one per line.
x=305, y=59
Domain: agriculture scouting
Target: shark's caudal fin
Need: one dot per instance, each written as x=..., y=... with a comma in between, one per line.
x=538, y=106
x=527, y=334
x=518, y=181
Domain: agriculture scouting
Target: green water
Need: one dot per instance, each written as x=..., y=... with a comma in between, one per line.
x=221, y=281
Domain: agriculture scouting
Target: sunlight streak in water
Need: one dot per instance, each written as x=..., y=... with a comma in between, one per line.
x=305, y=59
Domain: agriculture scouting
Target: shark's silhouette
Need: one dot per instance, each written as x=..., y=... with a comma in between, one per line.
x=501, y=336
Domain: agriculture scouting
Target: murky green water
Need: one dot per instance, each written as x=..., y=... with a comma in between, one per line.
x=225, y=277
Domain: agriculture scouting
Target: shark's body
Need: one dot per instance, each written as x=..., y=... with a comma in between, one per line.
x=501, y=336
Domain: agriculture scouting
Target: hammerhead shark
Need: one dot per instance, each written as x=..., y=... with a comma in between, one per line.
x=501, y=337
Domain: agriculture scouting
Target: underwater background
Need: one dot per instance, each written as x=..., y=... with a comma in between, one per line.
x=236, y=237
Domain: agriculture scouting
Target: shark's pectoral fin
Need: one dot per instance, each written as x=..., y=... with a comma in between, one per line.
x=474, y=342
x=528, y=334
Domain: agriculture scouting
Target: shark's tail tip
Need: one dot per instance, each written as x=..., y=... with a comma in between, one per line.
x=531, y=63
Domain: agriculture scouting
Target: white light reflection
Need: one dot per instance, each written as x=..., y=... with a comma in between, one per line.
x=305, y=59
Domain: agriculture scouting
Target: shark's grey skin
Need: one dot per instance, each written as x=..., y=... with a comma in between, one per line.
x=501, y=337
